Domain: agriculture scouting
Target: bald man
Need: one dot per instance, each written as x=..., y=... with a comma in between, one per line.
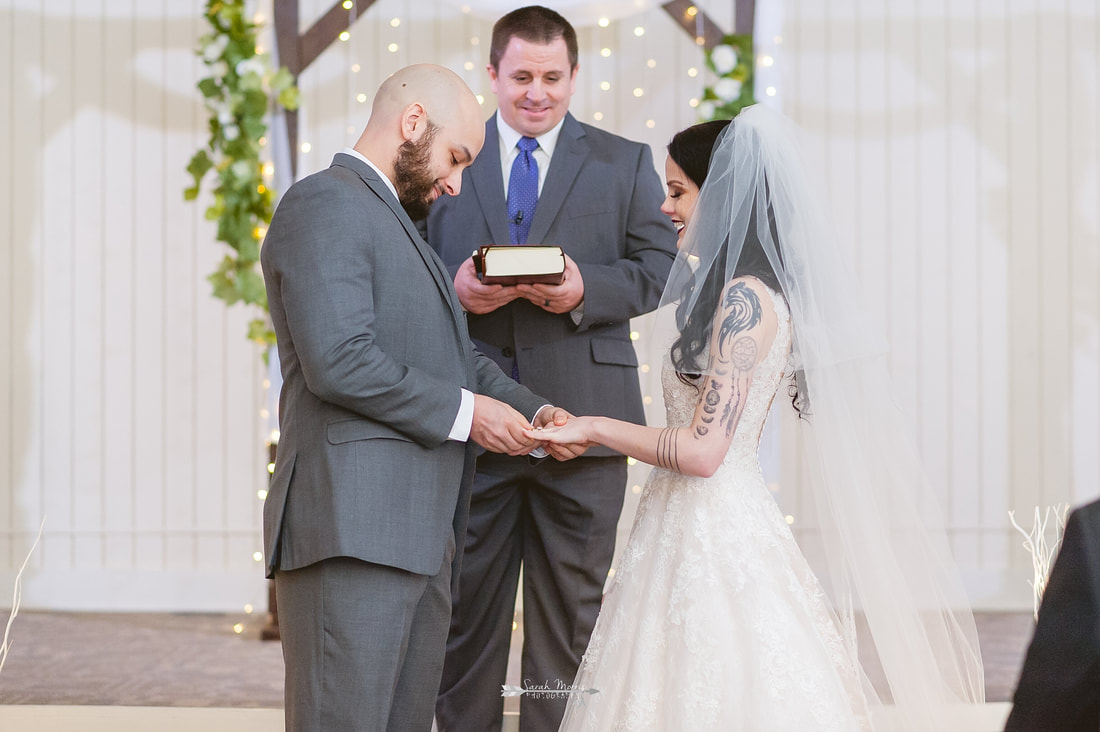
x=383, y=397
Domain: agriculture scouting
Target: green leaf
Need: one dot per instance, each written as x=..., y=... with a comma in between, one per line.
x=210, y=88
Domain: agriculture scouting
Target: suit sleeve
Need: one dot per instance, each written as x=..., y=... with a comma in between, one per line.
x=1059, y=685
x=632, y=286
x=323, y=264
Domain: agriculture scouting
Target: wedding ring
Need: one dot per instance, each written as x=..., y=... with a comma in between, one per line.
x=547, y=303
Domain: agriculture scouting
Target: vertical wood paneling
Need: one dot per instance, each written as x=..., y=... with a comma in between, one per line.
x=86, y=371
x=151, y=199
x=56, y=208
x=119, y=250
x=9, y=460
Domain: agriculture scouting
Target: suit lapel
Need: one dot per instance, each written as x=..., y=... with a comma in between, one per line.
x=488, y=185
x=376, y=184
x=569, y=155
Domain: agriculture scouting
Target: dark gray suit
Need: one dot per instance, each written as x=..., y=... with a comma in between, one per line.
x=601, y=203
x=1059, y=686
x=369, y=497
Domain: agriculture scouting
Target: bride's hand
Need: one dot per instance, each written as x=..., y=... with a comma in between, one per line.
x=577, y=431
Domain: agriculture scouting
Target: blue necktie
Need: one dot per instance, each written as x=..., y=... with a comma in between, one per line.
x=523, y=194
x=523, y=190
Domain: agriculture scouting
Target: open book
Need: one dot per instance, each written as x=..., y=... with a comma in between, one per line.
x=516, y=265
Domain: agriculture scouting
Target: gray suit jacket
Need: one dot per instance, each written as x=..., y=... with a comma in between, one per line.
x=601, y=203
x=374, y=349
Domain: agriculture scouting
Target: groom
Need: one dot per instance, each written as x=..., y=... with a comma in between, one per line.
x=383, y=397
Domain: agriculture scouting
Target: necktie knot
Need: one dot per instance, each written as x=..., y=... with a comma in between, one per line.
x=527, y=144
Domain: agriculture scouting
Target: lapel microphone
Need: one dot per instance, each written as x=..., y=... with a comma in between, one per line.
x=518, y=218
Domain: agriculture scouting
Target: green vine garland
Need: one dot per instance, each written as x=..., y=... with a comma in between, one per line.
x=238, y=94
x=732, y=62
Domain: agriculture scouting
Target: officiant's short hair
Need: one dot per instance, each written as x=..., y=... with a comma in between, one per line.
x=534, y=24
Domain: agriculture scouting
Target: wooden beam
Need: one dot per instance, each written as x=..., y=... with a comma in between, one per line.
x=698, y=24
x=297, y=51
x=743, y=17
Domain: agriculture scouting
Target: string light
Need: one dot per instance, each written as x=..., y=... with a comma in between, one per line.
x=360, y=97
x=766, y=60
x=597, y=116
x=693, y=102
x=605, y=85
x=644, y=368
x=636, y=489
x=651, y=63
x=392, y=48
x=257, y=556
x=348, y=4
x=605, y=52
x=611, y=572
x=635, y=335
x=480, y=99
x=261, y=494
x=469, y=65
x=693, y=72
x=700, y=41
x=355, y=68
x=306, y=147
x=344, y=35
x=248, y=609
x=395, y=22
x=260, y=232
x=262, y=141
x=238, y=628
x=647, y=400
x=770, y=91
x=790, y=520
x=475, y=41
x=639, y=31
x=692, y=11
x=604, y=22
x=650, y=123
x=631, y=461
x=638, y=91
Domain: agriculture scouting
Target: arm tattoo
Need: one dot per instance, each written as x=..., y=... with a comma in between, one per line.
x=745, y=313
x=667, y=454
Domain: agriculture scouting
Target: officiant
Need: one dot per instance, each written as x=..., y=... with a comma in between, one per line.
x=543, y=178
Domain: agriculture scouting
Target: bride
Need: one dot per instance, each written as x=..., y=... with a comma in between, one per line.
x=714, y=619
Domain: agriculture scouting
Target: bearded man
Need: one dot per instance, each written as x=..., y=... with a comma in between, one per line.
x=383, y=397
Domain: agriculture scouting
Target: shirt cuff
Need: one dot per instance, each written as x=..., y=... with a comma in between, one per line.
x=538, y=452
x=577, y=313
x=464, y=420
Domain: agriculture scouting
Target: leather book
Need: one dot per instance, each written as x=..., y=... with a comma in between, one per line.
x=520, y=265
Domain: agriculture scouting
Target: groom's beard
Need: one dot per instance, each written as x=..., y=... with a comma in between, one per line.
x=412, y=175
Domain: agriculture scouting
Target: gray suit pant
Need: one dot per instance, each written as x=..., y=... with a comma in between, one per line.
x=363, y=645
x=559, y=521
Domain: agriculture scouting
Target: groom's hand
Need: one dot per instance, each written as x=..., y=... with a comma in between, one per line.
x=499, y=428
x=558, y=416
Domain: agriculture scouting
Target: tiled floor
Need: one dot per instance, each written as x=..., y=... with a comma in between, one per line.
x=176, y=660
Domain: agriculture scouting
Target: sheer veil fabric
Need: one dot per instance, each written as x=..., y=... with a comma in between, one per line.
x=889, y=574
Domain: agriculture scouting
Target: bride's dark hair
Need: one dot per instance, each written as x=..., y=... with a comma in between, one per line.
x=691, y=150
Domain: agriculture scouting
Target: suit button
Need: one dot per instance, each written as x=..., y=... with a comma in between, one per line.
x=508, y=352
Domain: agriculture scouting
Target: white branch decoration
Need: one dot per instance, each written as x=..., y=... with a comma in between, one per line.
x=1042, y=553
x=17, y=596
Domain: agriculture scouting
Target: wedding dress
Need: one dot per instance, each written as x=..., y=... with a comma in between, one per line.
x=714, y=620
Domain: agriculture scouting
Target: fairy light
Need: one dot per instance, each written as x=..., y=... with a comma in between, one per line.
x=693, y=72
x=770, y=91
x=394, y=22
x=344, y=35
x=638, y=91
x=693, y=102
x=700, y=41
x=611, y=572
x=271, y=468
x=261, y=188
x=273, y=439
x=635, y=489
x=766, y=60
x=306, y=147
x=392, y=48
x=361, y=98
x=259, y=232
x=597, y=116
x=605, y=52
x=469, y=65
x=790, y=520
x=639, y=31
x=635, y=335
x=650, y=123
x=647, y=400
x=651, y=63
x=263, y=141
x=261, y=494
x=631, y=461
x=257, y=556
x=692, y=11
x=480, y=99
x=355, y=68
x=475, y=41
x=349, y=4
x=605, y=85
x=603, y=22
x=644, y=368
x=238, y=628
x=263, y=412
x=248, y=609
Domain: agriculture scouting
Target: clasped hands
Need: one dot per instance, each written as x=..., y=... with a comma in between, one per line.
x=499, y=428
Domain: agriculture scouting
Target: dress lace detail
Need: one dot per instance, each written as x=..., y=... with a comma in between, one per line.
x=713, y=620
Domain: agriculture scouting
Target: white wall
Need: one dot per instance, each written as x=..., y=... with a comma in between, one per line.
x=958, y=139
